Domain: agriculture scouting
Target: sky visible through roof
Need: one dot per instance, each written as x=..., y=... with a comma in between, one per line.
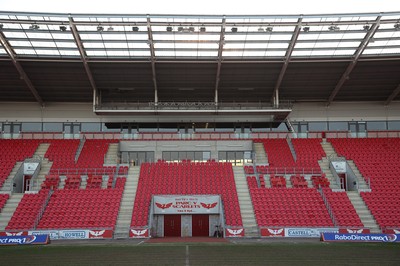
x=248, y=42
x=247, y=7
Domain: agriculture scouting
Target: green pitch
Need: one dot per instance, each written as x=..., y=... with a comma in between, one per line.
x=204, y=254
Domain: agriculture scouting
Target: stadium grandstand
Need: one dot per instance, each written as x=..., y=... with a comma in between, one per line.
x=140, y=126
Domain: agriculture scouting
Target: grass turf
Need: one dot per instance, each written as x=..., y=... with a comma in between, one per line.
x=205, y=254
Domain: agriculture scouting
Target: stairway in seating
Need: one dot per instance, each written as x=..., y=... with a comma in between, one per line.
x=9, y=209
x=246, y=206
x=362, y=185
x=363, y=212
x=8, y=182
x=324, y=164
x=261, y=156
x=45, y=165
x=128, y=199
x=112, y=154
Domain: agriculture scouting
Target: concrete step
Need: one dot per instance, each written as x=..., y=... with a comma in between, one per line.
x=363, y=212
x=246, y=208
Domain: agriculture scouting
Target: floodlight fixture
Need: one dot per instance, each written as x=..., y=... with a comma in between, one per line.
x=100, y=28
x=334, y=28
x=306, y=29
x=1, y=26
x=186, y=29
x=260, y=29
x=34, y=27
x=63, y=28
x=234, y=29
x=135, y=29
x=366, y=27
x=397, y=26
x=269, y=29
x=110, y=28
x=169, y=28
x=202, y=29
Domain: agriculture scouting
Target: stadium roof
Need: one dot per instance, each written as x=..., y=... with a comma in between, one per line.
x=121, y=58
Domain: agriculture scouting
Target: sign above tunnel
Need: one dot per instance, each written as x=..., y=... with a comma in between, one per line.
x=186, y=204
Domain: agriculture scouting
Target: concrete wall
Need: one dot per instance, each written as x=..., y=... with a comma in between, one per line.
x=159, y=146
x=83, y=112
x=351, y=111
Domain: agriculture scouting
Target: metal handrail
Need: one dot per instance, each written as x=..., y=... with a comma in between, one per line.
x=79, y=150
x=328, y=206
x=334, y=173
x=291, y=147
x=19, y=172
x=34, y=182
x=195, y=136
x=42, y=209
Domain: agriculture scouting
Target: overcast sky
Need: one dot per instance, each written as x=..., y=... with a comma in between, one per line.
x=218, y=7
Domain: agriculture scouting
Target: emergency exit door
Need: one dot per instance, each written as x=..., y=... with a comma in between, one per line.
x=200, y=225
x=172, y=225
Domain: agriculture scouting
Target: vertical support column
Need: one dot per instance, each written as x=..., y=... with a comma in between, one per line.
x=276, y=99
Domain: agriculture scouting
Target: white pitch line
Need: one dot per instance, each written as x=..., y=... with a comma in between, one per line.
x=187, y=255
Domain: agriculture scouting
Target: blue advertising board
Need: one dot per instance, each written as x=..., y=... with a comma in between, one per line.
x=24, y=240
x=337, y=237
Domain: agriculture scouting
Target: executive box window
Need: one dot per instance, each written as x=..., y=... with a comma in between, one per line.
x=394, y=125
x=178, y=156
x=52, y=127
x=338, y=126
x=137, y=157
x=90, y=127
x=376, y=125
x=31, y=127
x=237, y=158
x=317, y=126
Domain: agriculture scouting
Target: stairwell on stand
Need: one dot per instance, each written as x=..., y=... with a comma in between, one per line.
x=246, y=206
x=7, y=185
x=111, y=157
x=45, y=164
x=361, y=184
x=363, y=212
x=128, y=200
x=83, y=182
x=261, y=156
x=324, y=164
x=9, y=209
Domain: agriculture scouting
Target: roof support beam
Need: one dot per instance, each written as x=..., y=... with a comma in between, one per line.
x=393, y=95
x=288, y=55
x=219, y=60
x=153, y=59
x=19, y=68
x=354, y=62
x=84, y=60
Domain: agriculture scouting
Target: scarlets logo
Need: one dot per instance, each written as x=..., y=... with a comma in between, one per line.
x=356, y=231
x=163, y=206
x=139, y=233
x=234, y=232
x=208, y=205
x=272, y=232
x=100, y=233
x=275, y=232
x=97, y=233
